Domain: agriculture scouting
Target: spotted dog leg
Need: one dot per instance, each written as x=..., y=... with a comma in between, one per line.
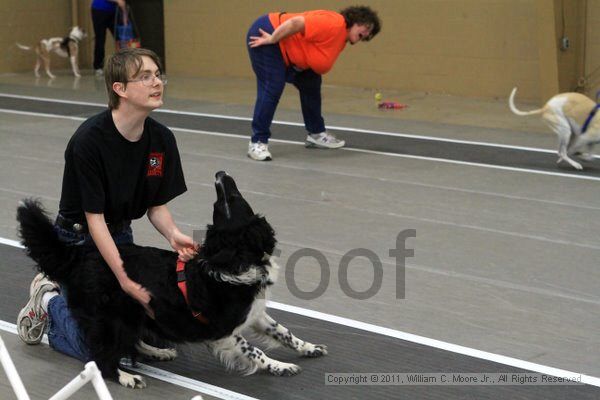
x=236, y=353
x=155, y=353
x=267, y=326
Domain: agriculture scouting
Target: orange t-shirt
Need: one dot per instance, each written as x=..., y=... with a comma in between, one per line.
x=323, y=40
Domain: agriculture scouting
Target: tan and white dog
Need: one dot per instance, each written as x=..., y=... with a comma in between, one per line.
x=64, y=47
x=572, y=117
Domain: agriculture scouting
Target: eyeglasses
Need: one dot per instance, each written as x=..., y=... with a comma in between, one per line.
x=148, y=79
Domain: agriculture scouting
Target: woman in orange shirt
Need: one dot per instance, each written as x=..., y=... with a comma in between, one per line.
x=298, y=48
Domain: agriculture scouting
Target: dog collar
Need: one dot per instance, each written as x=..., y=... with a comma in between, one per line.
x=589, y=118
x=183, y=287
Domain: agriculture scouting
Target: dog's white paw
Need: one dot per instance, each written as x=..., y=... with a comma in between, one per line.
x=314, y=350
x=574, y=164
x=156, y=353
x=283, y=369
x=164, y=354
x=131, y=381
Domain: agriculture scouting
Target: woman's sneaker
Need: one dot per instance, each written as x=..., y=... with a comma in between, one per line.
x=259, y=151
x=324, y=140
x=33, y=319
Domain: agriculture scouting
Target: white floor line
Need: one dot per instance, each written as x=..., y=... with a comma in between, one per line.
x=409, y=337
x=198, y=386
x=12, y=243
x=500, y=167
x=560, y=292
x=419, y=219
x=38, y=114
x=382, y=153
x=50, y=100
x=162, y=375
x=467, y=351
x=393, y=181
x=329, y=127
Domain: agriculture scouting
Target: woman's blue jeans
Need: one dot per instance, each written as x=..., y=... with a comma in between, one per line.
x=271, y=76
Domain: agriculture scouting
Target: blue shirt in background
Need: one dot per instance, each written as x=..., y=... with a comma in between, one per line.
x=104, y=5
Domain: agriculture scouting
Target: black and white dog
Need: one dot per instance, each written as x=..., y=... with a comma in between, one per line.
x=226, y=285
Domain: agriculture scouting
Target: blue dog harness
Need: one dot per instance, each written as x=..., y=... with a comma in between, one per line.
x=589, y=118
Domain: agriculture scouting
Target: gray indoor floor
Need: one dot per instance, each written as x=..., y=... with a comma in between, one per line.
x=506, y=248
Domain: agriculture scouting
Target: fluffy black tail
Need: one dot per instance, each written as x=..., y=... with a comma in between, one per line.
x=41, y=242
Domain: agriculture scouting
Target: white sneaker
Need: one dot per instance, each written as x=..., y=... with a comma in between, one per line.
x=32, y=321
x=259, y=151
x=324, y=140
x=99, y=72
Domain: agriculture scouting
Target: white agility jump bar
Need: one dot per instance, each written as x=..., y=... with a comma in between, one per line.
x=11, y=373
x=90, y=373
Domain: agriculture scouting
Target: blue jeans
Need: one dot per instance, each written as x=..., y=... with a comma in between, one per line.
x=64, y=334
x=271, y=76
x=71, y=238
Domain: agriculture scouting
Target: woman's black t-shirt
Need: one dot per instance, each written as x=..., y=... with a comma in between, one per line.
x=105, y=173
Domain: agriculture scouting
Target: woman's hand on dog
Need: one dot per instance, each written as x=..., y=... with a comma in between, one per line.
x=184, y=246
x=139, y=293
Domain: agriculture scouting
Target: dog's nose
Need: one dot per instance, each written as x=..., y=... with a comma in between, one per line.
x=219, y=175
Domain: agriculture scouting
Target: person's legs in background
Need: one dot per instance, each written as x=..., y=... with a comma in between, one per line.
x=102, y=20
x=308, y=84
x=269, y=67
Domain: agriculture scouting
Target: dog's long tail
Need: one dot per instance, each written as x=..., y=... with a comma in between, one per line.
x=23, y=47
x=514, y=109
x=41, y=241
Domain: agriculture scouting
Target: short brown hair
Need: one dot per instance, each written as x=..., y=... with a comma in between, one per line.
x=122, y=66
x=362, y=15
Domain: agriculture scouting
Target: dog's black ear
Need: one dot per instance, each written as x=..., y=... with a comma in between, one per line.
x=224, y=256
x=260, y=236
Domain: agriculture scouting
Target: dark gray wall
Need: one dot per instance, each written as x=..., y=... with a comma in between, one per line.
x=148, y=16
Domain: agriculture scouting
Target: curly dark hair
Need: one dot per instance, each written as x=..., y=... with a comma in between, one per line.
x=362, y=15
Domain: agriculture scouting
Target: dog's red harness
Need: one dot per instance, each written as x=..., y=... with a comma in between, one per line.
x=183, y=287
